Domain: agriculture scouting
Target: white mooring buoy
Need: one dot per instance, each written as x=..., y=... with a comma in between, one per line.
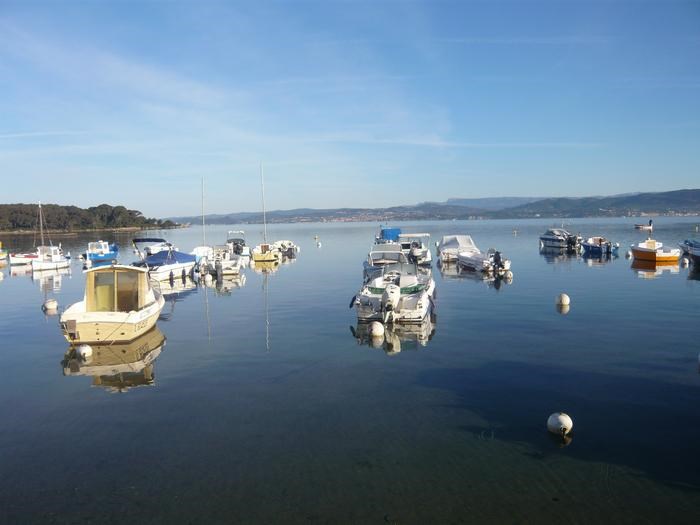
x=685, y=262
x=50, y=305
x=376, y=329
x=629, y=254
x=83, y=351
x=559, y=423
x=563, y=299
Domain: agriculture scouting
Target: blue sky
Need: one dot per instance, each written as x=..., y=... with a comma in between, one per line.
x=346, y=103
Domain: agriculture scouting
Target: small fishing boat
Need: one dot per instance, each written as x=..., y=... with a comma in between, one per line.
x=416, y=246
x=100, y=252
x=597, y=246
x=560, y=238
x=49, y=258
x=19, y=259
x=450, y=245
x=165, y=264
x=120, y=304
x=118, y=366
x=654, y=251
x=400, y=294
x=645, y=227
x=491, y=262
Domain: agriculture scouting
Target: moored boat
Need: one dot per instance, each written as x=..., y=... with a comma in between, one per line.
x=491, y=262
x=416, y=246
x=120, y=304
x=387, y=235
x=654, y=251
x=100, y=252
x=691, y=248
x=236, y=243
x=165, y=264
x=450, y=245
x=645, y=227
x=49, y=258
x=560, y=238
x=597, y=246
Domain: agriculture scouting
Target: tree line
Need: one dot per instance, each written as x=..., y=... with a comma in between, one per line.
x=68, y=218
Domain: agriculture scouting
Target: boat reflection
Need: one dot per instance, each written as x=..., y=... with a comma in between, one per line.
x=226, y=286
x=397, y=337
x=178, y=287
x=652, y=270
x=50, y=280
x=598, y=260
x=694, y=273
x=455, y=271
x=118, y=367
x=558, y=255
x=264, y=267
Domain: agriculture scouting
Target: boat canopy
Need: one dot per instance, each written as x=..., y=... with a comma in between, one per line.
x=148, y=239
x=413, y=235
x=457, y=243
x=389, y=234
x=116, y=288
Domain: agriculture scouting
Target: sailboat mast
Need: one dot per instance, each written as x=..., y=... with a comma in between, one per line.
x=41, y=225
x=262, y=185
x=204, y=230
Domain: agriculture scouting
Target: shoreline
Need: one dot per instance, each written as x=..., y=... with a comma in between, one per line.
x=70, y=233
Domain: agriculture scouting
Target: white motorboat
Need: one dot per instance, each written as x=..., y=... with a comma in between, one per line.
x=120, y=304
x=491, y=262
x=385, y=253
x=416, y=246
x=19, y=259
x=450, y=246
x=165, y=264
x=400, y=294
x=560, y=238
x=236, y=243
x=287, y=248
x=49, y=258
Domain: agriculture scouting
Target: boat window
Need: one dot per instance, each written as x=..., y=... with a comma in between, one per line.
x=103, y=292
x=127, y=291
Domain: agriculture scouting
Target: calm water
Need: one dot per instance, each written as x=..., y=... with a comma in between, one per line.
x=263, y=407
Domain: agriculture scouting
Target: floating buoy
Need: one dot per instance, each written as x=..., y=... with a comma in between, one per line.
x=685, y=262
x=563, y=309
x=50, y=305
x=629, y=254
x=208, y=278
x=563, y=299
x=376, y=329
x=560, y=423
x=83, y=351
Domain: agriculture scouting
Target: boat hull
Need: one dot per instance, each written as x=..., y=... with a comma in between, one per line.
x=39, y=266
x=97, y=327
x=656, y=256
x=163, y=273
x=18, y=259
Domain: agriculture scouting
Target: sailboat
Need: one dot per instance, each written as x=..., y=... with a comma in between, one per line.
x=265, y=252
x=49, y=257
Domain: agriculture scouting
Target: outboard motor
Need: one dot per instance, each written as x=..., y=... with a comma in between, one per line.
x=497, y=260
x=390, y=301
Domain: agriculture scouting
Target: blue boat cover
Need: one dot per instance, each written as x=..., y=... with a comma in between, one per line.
x=167, y=257
x=389, y=234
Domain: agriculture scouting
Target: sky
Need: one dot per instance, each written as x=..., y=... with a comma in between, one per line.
x=344, y=103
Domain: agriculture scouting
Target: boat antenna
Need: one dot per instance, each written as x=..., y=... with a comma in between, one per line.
x=262, y=185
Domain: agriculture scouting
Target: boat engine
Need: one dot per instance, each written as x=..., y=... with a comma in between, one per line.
x=390, y=301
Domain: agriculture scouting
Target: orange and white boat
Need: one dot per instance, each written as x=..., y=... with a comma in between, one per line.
x=654, y=251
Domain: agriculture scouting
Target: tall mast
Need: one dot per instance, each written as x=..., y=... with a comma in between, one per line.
x=204, y=231
x=262, y=185
x=41, y=225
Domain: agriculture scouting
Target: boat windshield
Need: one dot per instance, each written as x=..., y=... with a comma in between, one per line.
x=115, y=291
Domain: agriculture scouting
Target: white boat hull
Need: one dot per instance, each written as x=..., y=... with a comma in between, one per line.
x=162, y=273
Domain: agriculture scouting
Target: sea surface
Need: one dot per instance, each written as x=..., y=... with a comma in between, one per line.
x=266, y=404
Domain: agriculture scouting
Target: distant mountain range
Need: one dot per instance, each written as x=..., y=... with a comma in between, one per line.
x=680, y=202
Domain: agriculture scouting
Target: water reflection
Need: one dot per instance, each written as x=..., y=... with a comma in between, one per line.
x=397, y=337
x=455, y=271
x=598, y=260
x=50, y=280
x=652, y=270
x=226, y=286
x=558, y=255
x=120, y=366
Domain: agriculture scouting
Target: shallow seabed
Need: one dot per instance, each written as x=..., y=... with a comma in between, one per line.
x=264, y=408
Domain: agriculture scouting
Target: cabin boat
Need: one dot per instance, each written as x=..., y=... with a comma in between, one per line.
x=491, y=262
x=399, y=294
x=236, y=243
x=654, y=251
x=450, y=245
x=387, y=235
x=691, y=248
x=118, y=366
x=100, y=252
x=164, y=264
x=120, y=304
x=49, y=258
x=224, y=262
x=416, y=246
x=645, y=227
x=599, y=246
x=560, y=238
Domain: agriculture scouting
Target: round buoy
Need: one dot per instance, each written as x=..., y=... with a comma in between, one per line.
x=208, y=278
x=50, y=305
x=563, y=309
x=563, y=299
x=376, y=329
x=83, y=351
x=628, y=254
x=559, y=423
x=685, y=262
